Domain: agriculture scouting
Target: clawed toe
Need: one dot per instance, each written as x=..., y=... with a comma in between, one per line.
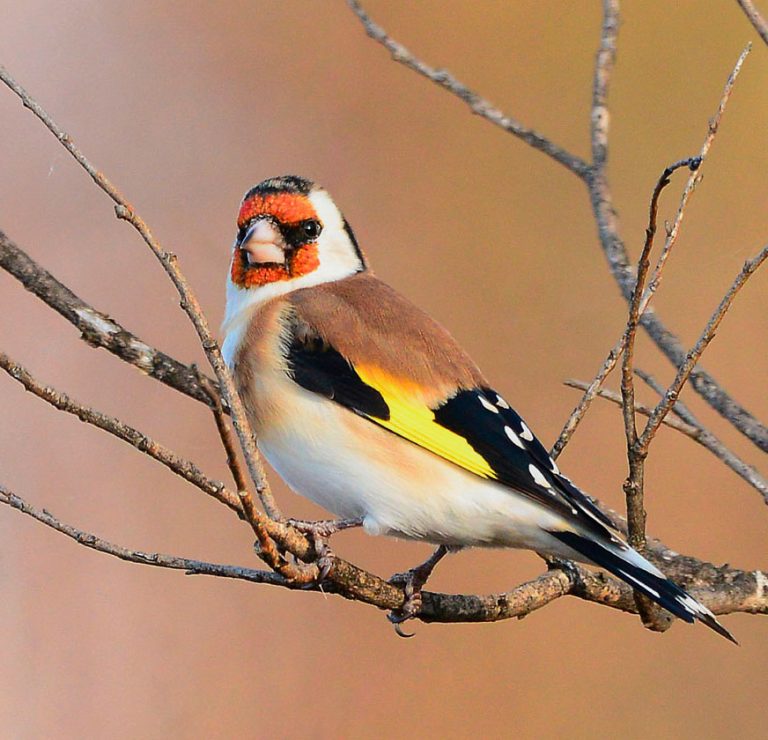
x=411, y=604
x=413, y=581
x=318, y=532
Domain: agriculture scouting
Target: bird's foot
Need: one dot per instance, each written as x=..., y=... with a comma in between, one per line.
x=318, y=533
x=413, y=581
x=323, y=527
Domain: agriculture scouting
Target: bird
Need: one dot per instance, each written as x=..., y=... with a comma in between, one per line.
x=367, y=406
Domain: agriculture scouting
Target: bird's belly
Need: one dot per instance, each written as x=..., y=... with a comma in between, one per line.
x=353, y=468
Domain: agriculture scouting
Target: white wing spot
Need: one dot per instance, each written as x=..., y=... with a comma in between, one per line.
x=501, y=403
x=553, y=466
x=526, y=434
x=538, y=476
x=488, y=405
x=514, y=438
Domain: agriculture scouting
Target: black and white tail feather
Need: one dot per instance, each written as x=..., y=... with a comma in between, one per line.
x=597, y=543
x=622, y=561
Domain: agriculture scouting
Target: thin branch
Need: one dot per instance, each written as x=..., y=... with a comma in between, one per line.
x=189, y=303
x=686, y=368
x=479, y=106
x=633, y=486
x=191, y=567
x=616, y=254
x=604, y=61
x=575, y=417
x=183, y=468
x=98, y=329
x=616, y=351
x=692, y=429
x=707, y=439
x=225, y=433
x=724, y=590
x=757, y=20
x=689, y=430
x=626, y=276
x=634, y=483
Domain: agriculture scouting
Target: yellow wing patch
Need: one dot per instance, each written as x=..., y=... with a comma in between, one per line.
x=415, y=421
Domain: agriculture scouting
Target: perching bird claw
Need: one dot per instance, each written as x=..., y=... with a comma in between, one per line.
x=318, y=532
x=411, y=604
x=413, y=581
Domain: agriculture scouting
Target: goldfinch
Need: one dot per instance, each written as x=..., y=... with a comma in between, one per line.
x=368, y=407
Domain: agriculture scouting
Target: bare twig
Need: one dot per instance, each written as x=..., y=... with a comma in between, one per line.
x=757, y=20
x=604, y=61
x=233, y=463
x=689, y=430
x=623, y=273
x=189, y=303
x=633, y=486
x=618, y=260
x=191, y=567
x=479, y=106
x=96, y=328
x=692, y=429
x=634, y=483
x=724, y=590
x=686, y=368
x=184, y=468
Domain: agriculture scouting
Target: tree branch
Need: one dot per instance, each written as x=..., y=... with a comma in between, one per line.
x=189, y=303
x=479, y=106
x=757, y=20
x=724, y=590
x=98, y=329
x=183, y=468
x=692, y=428
x=633, y=486
x=686, y=367
x=619, y=263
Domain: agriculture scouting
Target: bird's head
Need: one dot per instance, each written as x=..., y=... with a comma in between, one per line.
x=291, y=235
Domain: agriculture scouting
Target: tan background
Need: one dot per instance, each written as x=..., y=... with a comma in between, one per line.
x=186, y=105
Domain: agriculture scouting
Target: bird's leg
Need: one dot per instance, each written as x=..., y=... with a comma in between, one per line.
x=319, y=532
x=413, y=581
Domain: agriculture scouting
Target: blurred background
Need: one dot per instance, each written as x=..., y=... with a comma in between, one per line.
x=186, y=105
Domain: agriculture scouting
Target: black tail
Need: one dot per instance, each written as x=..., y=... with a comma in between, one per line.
x=627, y=564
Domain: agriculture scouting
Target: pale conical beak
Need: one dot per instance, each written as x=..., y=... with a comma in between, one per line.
x=263, y=243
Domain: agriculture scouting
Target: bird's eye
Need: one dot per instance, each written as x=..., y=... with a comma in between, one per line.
x=311, y=228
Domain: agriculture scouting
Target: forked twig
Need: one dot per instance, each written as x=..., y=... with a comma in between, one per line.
x=188, y=302
x=686, y=368
x=608, y=231
x=633, y=485
x=110, y=424
x=690, y=427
